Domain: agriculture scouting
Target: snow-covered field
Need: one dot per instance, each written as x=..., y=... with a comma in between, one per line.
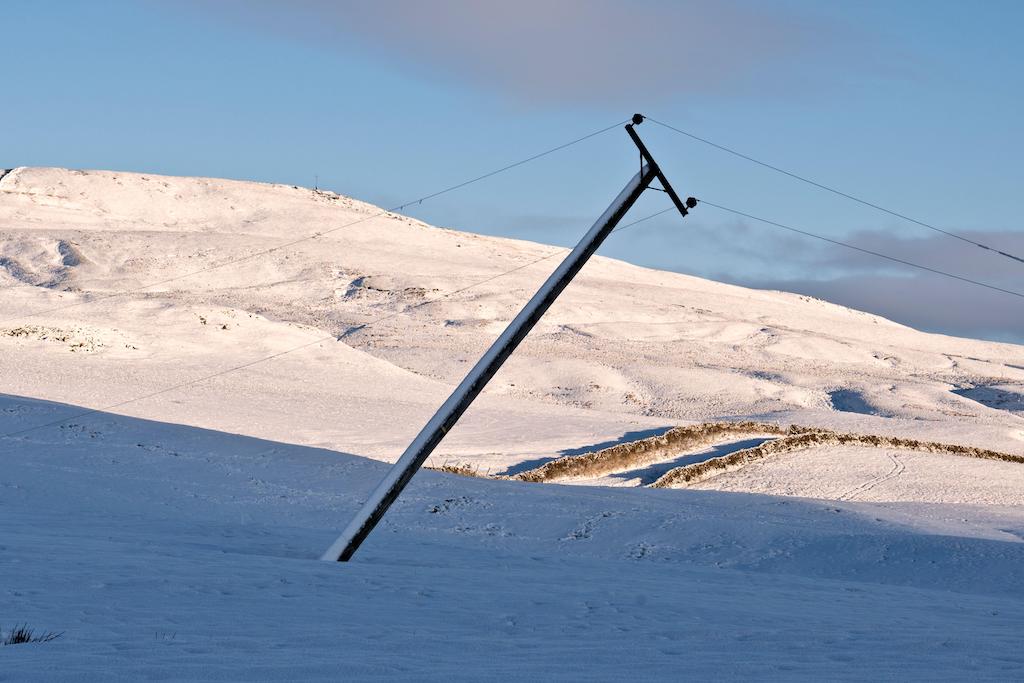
x=174, y=536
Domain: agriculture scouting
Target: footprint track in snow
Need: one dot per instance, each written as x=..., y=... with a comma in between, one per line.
x=898, y=468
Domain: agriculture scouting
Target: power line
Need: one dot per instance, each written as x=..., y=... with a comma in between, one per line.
x=511, y=166
x=645, y=218
x=377, y=321
x=861, y=249
x=318, y=234
x=834, y=191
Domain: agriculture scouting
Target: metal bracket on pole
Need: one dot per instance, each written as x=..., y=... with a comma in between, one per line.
x=449, y=413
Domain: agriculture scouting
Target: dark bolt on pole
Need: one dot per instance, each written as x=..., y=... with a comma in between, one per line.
x=449, y=413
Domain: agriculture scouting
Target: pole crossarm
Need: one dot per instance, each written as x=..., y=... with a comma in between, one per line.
x=682, y=206
x=452, y=409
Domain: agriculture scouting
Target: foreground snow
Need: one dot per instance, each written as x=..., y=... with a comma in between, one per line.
x=177, y=538
x=173, y=552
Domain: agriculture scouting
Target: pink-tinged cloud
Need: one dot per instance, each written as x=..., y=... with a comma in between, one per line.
x=569, y=51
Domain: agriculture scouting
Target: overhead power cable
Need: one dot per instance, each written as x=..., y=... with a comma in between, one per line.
x=319, y=340
x=317, y=234
x=835, y=191
x=894, y=259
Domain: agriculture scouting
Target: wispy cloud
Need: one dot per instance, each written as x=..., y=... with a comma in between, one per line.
x=917, y=298
x=925, y=303
x=575, y=51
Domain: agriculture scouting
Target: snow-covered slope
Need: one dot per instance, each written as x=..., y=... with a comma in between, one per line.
x=626, y=349
x=168, y=552
x=170, y=533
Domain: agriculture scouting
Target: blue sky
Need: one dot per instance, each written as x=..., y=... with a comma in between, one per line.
x=913, y=105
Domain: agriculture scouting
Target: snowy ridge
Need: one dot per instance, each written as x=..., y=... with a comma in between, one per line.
x=645, y=451
x=803, y=438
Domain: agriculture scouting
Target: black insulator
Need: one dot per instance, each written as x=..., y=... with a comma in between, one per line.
x=638, y=119
x=691, y=202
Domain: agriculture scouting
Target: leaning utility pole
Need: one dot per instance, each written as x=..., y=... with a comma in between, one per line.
x=449, y=413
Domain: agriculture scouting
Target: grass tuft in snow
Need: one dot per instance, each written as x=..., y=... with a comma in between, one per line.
x=24, y=634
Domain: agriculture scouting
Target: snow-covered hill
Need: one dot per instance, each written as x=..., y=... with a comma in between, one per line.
x=170, y=532
x=626, y=349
